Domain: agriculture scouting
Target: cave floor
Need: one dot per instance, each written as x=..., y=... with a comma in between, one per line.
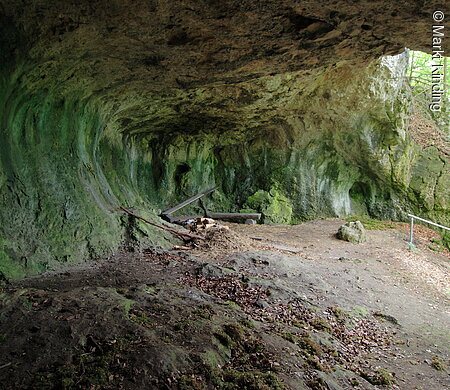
x=300, y=310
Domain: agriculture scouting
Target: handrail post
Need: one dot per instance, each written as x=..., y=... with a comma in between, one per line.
x=411, y=229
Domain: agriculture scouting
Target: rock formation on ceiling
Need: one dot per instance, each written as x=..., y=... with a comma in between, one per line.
x=142, y=103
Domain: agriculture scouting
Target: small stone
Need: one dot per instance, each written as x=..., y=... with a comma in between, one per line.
x=352, y=232
x=250, y=222
x=210, y=271
x=262, y=304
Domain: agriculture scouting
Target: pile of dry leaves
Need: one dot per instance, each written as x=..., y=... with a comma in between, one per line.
x=352, y=338
x=219, y=240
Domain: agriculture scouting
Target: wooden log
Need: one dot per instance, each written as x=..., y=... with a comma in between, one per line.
x=258, y=238
x=178, y=220
x=234, y=216
x=188, y=201
x=202, y=205
x=166, y=228
x=287, y=249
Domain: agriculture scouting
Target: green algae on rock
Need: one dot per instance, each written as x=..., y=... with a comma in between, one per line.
x=276, y=208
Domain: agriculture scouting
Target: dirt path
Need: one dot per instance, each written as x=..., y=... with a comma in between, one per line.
x=411, y=289
x=427, y=271
x=295, y=309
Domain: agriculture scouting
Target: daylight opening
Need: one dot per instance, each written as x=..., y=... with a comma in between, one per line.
x=429, y=78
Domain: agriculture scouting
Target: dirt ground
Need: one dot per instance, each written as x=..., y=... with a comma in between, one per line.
x=254, y=307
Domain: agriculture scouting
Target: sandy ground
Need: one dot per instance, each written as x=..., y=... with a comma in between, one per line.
x=381, y=275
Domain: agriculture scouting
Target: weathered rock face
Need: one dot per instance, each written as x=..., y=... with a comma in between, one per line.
x=143, y=103
x=186, y=43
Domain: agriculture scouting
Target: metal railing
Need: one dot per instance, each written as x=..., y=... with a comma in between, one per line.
x=411, y=228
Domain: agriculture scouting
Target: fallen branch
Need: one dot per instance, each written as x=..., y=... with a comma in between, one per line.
x=5, y=365
x=166, y=228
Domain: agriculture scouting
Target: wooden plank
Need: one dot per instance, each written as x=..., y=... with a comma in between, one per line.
x=200, y=201
x=172, y=219
x=166, y=228
x=230, y=216
x=234, y=216
x=188, y=201
x=287, y=249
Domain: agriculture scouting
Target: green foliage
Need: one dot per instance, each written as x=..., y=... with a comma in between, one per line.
x=446, y=240
x=128, y=303
x=419, y=73
x=310, y=346
x=436, y=245
x=320, y=323
x=372, y=224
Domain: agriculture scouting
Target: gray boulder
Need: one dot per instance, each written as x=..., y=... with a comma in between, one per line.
x=352, y=232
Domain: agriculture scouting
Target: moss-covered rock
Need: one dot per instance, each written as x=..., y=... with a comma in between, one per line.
x=352, y=232
x=275, y=207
